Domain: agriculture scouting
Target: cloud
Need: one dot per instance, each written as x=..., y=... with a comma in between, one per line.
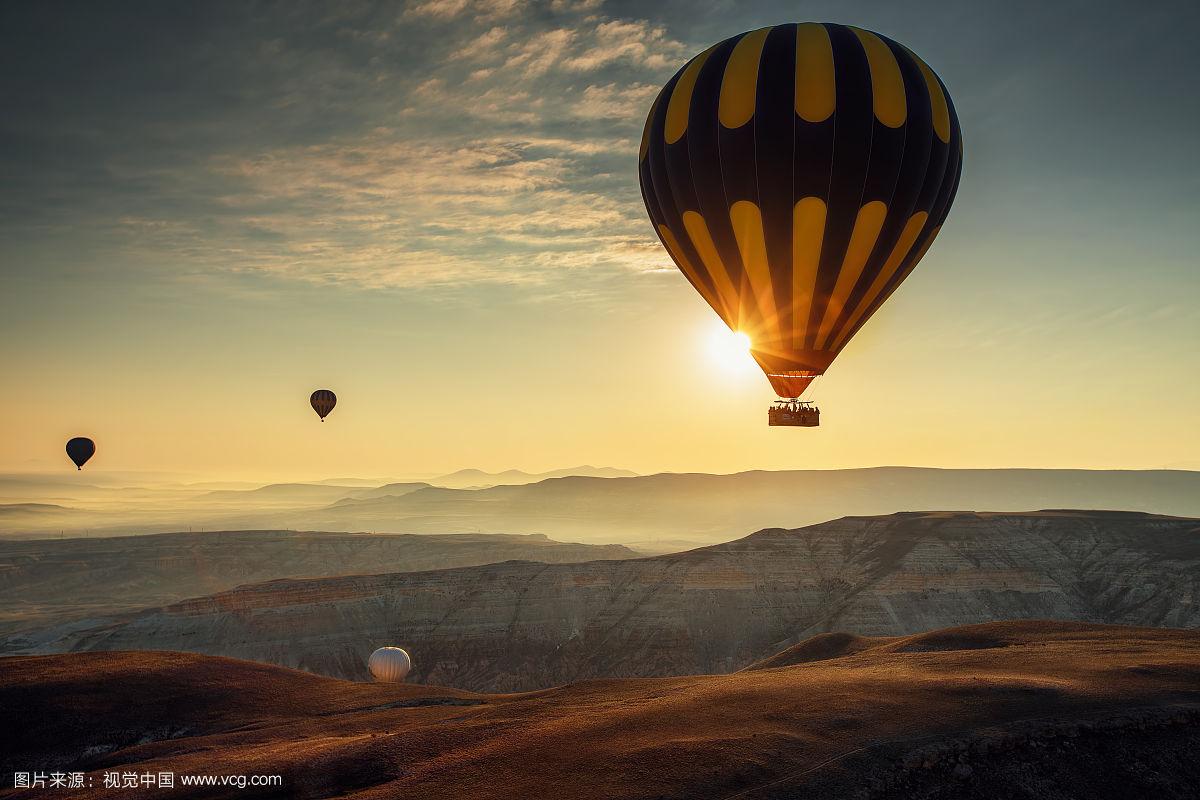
x=575, y=5
x=637, y=42
x=587, y=47
x=443, y=9
x=456, y=142
x=483, y=10
x=383, y=211
x=540, y=53
x=615, y=101
x=481, y=46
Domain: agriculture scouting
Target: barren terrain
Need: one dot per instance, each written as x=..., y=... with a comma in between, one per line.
x=1029, y=710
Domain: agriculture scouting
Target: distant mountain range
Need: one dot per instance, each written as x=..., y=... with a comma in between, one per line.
x=478, y=479
x=698, y=508
x=519, y=626
x=653, y=513
x=332, y=490
x=285, y=493
x=104, y=504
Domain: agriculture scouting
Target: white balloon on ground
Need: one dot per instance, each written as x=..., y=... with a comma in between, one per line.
x=389, y=664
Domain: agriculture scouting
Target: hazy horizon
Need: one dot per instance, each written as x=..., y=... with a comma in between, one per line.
x=267, y=479
x=644, y=511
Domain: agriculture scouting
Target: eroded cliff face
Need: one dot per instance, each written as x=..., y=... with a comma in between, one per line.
x=46, y=582
x=518, y=626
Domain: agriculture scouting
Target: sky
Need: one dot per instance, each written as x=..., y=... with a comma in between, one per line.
x=208, y=210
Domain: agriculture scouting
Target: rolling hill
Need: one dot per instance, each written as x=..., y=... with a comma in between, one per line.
x=1018, y=710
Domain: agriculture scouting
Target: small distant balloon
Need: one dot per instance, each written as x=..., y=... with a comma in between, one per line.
x=80, y=449
x=323, y=401
x=389, y=665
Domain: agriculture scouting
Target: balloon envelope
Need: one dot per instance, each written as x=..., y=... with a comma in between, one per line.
x=323, y=401
x=80, y=449
x=796, y=175
x=389, y=664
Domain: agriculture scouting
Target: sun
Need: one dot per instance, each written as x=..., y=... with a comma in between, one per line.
x=730, y=350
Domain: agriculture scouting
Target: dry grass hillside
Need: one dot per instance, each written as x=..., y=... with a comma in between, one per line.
x=1026, y=710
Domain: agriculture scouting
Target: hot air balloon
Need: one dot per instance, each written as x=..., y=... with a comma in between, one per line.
x=80, y=449
x=389, y=665
x=323, y=401
x=796, y=175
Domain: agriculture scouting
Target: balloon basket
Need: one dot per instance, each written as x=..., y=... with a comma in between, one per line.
x=793, y=413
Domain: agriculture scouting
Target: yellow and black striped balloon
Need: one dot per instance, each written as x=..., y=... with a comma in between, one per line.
x=796, y=174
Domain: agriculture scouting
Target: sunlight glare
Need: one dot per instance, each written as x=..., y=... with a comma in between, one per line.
x=731, y=350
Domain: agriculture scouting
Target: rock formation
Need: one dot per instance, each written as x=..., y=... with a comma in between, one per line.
x=47, y=581
x=518, y=625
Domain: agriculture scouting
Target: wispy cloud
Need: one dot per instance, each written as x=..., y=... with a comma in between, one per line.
x=635, y=42
x=613, y=101
x=382, y=211
x=505, y=153
x=442, y=9
x=481, y=46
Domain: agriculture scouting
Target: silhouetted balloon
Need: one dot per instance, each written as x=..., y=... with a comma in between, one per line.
x=80, y=449
x=389, y=665
x=797, y=174
x=323, y=401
